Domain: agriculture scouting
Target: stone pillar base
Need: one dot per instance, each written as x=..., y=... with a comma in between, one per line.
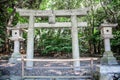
x=14, y=58
x=76, y=65
x=108, y=59
x=108, y=66
x=107, y=71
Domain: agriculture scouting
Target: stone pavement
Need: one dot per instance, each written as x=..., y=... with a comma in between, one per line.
x=14, y=70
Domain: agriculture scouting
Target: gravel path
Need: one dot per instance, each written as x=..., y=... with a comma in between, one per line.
x=15, y=69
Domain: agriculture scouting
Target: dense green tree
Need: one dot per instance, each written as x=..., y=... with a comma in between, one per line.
x=9, y=18
x=60, y=41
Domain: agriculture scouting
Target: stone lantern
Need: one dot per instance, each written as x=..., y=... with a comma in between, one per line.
x=106, y=31
x=106, y=34
x=16, y=37
x=15, y=33
x=108, y=65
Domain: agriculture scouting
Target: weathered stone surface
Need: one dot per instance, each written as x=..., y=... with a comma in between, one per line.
x=107, y=72
x=75, y=43
x=6, y=77
x=30, y=41
x=16, y=54
x=109, y=69
x=52, y=19
x=55, y=25
x=14, y=58
x=12, y=77
x=108, y=59
x=78, y=12
x=106, y=77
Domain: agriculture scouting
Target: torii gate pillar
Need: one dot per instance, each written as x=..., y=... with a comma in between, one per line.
x=30, y=41
x=75, y=44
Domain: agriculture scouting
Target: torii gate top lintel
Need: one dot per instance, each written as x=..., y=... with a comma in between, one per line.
x=78, y=12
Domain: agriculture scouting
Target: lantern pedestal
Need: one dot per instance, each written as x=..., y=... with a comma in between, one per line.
x=14, y=57
x=16, y=54
x=108, y=59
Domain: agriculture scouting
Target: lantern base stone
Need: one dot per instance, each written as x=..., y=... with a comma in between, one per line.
x=108, y=59
x=14, y=58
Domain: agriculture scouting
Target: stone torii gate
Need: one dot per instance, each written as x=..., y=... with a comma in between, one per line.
x=51, y=14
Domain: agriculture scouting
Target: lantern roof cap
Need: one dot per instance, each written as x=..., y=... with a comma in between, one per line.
x=106, y=24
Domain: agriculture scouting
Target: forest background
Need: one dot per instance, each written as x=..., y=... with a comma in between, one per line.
x=49, y=42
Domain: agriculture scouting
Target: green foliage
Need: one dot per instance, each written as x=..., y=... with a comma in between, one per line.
x=116, y=40
x=59, y=40
x=53, y=41
x=64, y=4
x=1, y=41
x=9, y=10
